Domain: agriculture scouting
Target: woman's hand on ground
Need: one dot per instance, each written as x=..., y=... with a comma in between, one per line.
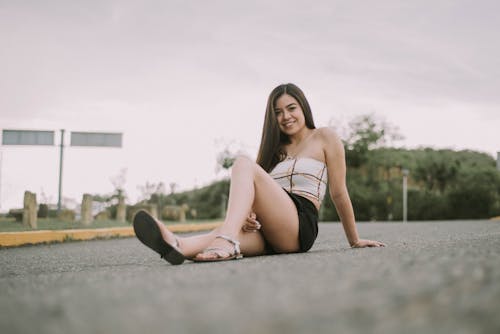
x=361, y=243
x=251, y=224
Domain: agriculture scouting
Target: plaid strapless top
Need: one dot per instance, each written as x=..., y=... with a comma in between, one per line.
x=302, y=176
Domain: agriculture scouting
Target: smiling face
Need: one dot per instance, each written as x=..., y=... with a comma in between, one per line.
x=289, y=115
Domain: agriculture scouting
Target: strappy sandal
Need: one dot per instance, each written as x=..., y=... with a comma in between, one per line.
x=221, y=252
x=148, y=232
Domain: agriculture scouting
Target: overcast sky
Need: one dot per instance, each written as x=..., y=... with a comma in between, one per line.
x=180, y=78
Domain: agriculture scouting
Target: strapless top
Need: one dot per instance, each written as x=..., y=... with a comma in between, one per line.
x=302, y=176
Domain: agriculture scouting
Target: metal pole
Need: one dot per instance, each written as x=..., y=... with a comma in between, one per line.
x=60, y=172
x=405, y=195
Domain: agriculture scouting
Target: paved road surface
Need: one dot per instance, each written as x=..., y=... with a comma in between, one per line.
x=432, y=278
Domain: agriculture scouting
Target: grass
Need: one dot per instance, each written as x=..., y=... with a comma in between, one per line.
x=10, y=225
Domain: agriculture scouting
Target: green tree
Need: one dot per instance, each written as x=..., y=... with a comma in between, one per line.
x=476, y=195
x=437, y=169
x=365, y=133
x=206, y=200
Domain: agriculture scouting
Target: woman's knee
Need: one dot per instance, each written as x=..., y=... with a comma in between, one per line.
x=242, y=158
x=243, y=161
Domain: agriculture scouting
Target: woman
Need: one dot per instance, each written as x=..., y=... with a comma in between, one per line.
x=273, y=204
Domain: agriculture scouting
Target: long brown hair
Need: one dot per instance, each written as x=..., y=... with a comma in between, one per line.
x=271, y=145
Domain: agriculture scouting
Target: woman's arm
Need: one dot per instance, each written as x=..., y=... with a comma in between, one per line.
x=335, y=161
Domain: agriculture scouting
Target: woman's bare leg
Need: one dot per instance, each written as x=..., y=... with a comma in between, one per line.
x=252, y=243
x=252, y=189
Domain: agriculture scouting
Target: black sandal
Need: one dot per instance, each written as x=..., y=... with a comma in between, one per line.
x=148, y=232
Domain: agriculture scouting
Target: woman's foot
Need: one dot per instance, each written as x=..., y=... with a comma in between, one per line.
x=167, y=235
x=156, y=236
x=223, y=248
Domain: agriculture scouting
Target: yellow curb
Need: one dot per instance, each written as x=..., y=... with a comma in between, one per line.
x=495, y=218
x=13, y=239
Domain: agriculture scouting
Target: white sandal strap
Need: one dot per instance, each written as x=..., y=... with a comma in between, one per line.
x=236, y=244
x=217, y=250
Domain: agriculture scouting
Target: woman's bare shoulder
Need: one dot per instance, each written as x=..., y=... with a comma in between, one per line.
x=328, y=135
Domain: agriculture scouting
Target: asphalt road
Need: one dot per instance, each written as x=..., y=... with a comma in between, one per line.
x=432, y=278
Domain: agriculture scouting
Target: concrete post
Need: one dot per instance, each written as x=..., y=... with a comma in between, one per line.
x=26, y=210
x=153, y=210
x=121, y=210
x=30, y=210
x=87, y=209
x=223, y=203
x=182, y=212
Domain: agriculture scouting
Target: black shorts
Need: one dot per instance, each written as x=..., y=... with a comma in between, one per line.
x=308, y=222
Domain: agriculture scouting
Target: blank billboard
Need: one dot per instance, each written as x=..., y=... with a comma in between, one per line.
x=27, y=137
x=96, y=139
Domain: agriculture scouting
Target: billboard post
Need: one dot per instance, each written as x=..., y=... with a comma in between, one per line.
x=60, y=172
